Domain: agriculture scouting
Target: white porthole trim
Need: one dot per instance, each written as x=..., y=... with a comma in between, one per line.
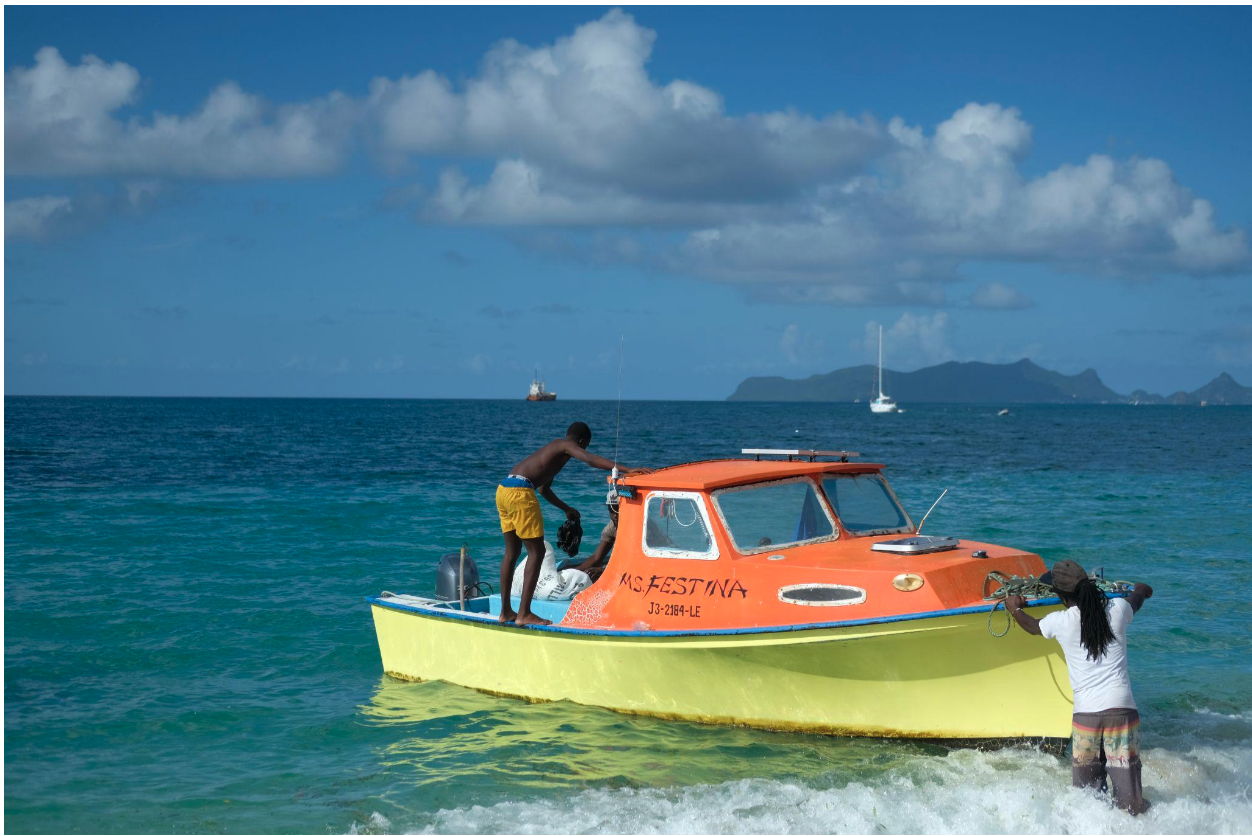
x=858, y=596
x=698, y=499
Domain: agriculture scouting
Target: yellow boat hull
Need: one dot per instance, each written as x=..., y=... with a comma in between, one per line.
x=940, y=676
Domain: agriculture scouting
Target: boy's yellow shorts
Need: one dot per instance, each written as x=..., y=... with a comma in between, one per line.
x=519, y=511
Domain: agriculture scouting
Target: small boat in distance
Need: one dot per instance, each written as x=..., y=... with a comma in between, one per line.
x=882, y=403
x=538, y=392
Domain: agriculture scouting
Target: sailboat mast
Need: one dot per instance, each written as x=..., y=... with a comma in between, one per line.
x=880, y=361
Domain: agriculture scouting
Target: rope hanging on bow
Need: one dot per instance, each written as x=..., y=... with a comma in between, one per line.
x=1030, y=587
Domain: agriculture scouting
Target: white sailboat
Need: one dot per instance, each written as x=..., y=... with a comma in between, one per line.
x=882, y=403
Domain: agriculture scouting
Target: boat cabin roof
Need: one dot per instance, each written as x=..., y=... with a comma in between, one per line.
x=723, y=473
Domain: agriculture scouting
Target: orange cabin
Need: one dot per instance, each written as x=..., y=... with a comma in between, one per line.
x=738, y=544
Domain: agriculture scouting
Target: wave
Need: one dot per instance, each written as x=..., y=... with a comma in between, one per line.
x=1204, y=790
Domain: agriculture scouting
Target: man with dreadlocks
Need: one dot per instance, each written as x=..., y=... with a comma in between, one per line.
x=1092, y=633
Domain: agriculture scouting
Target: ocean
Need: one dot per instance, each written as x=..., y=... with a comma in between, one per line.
x=188, y=649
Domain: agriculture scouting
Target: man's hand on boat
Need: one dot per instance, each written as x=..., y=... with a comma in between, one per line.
x=1014, y=604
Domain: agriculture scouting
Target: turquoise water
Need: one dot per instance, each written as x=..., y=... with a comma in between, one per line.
x=187, y=648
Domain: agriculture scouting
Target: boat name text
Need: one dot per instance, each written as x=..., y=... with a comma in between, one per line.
x=676, y=585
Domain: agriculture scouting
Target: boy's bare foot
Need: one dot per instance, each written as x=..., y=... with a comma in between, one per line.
x=507, y=616
x=531, y=618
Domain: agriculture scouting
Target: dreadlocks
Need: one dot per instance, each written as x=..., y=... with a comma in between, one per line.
x=1092, y=603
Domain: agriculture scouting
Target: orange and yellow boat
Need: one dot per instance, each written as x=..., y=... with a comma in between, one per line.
x=787, y=593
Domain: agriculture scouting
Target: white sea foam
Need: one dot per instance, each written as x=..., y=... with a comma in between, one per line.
x=376, y=823
x=1205, y=790
x=1238, y=715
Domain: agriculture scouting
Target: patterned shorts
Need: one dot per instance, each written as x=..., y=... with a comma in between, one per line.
x=1106, y=746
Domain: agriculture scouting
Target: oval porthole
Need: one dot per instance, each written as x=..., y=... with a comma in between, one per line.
x=821, y=595
x=907, y=582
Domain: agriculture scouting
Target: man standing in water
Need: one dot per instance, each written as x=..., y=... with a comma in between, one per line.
x=521, y=519
x=1092, y=633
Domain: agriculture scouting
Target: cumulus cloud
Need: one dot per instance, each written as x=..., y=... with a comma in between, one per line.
x=997, y=296
x=36, y=217
x=47, y=216
x=792, y=206
x=585, y=114
x=959, y=196
x=912, y=341
x=62, y=119
x=806, y=208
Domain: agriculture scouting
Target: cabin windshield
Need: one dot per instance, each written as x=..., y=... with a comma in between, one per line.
x=772, y=515
x=865, y=505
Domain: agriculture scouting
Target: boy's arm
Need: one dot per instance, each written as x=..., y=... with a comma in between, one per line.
x=1014, y=604
x=592, y=459
x=546, y=492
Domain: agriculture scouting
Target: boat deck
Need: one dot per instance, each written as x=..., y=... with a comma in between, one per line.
x=486, y=607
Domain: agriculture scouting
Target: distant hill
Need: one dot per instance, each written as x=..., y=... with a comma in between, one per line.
x=1020, y=382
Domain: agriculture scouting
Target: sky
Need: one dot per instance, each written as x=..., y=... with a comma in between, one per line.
x=656, y=202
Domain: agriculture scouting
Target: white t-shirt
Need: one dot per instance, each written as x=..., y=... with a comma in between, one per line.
x=1104, y=683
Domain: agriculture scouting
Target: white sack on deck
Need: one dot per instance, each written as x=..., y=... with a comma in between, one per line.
x=553, y=584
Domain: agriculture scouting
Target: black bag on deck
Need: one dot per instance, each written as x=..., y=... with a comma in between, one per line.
x=570, y=537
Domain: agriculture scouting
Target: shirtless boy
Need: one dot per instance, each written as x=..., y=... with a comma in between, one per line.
x=521, y=519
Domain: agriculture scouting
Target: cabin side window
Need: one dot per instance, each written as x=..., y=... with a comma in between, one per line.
x=677, y=525
x=865, y=505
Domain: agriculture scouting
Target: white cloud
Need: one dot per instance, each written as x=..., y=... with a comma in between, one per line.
x=959, y=197
x=518, y=193
x=61, y=119
x=997, y=296
x=798, y=347
x=801, y=348
x=913, y=341
x=35, y=217
x=980, y=136
x=788, y=205
x=47, y=216
x=583, y=111
x=790, y=343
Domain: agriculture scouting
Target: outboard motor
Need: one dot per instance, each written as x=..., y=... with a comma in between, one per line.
x=450, y=583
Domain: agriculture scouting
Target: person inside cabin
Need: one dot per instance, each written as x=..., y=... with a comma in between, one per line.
x=595, y=564
x=521, y=520
x=1092, y=633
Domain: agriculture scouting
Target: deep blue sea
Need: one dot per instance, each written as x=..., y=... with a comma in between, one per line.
x=187, y=648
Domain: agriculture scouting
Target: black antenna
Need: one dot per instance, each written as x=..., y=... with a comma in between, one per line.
x=617, y=443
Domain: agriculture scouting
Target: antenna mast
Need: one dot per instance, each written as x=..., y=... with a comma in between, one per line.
x=617, y=443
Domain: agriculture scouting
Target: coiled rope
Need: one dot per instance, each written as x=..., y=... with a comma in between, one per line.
x=1030, y=587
